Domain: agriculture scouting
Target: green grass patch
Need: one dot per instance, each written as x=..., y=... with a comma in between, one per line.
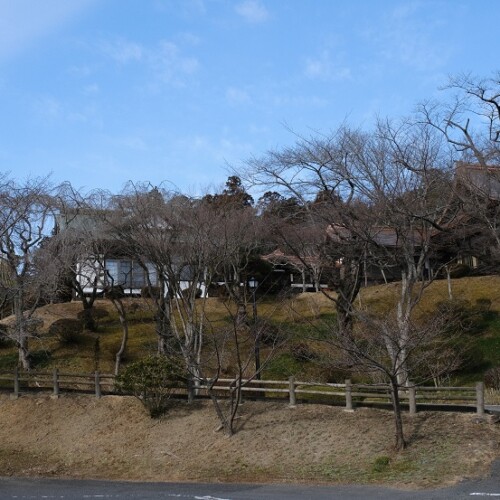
x=282, y=367
x=8, y=361
x=380, y=464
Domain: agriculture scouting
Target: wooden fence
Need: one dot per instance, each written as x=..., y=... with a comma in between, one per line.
x=347, y=394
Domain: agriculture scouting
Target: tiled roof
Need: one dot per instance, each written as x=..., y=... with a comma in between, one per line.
x=482, y=180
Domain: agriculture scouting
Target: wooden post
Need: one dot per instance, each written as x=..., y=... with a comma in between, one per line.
x=97, y=385
x=16, y=383
x=291, y=390
x=348, y=395
x=412, y=398
x=55, y=378
x=480, y=399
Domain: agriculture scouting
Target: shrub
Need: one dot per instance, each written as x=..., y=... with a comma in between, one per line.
x=187, y=291
x=97, y=313
x=380, y=464
x=152, y=380
x=492, y=378
x=459, y=271
x=268, y=333
x=67, y=330
x=219, y=291
x=483, y=304
x=459, y=313
x=303, y=352
x=5, y=340
x=114, y=292
x=150, y=292
x=282, y=366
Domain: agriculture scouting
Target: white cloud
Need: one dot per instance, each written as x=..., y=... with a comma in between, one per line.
x=298, y=101
x=187, y=8
x=237, y=96
x=91, y=89
x=215, y=149
x=166, y=60
x=23, y=22
x=324, y=68
x=129, y=142
x=259, y=129
x=170, y=65
x=406, y=37
x=48, y=107
x=80, y=71
x=253, y=11
x=122, y=50
x=190, y=38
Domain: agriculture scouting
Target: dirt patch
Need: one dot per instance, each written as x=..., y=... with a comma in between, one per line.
x=79, y=436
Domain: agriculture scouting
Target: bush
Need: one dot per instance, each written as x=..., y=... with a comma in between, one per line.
x=5, y=341
x=97, y=314
x=460, y=314
x=460, y=271
x=492, y=378
x=268, y=333
x=150, y=292
x=380, y=464
x=114, y=292
x=152, y=380
x=67, y=330
x=303, y=352
x=219, y=291
x=282, y=366
x=483, y=304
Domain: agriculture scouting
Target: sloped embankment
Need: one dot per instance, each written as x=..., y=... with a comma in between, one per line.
x=79, y=436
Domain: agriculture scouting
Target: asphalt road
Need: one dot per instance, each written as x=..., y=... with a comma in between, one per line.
x=38, y=489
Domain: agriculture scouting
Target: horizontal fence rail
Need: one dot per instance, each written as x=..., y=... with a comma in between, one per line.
x=347, y=394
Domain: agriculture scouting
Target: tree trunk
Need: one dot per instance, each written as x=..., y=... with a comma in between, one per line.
x=403, y=319
x=400, y=443
x=164, y=327
x=448, y=281
x=89, y=322
x=24, y=354
x=241, y=313
x=21, y=333
x=124, y=323
x=347, y=288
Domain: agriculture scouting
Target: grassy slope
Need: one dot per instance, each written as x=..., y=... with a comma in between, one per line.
x=41, y=436
x=79, y=436
x=296, y=315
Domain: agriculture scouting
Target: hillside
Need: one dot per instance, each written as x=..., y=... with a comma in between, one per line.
x=114, y=438
x=90, y=351
x=79, y=436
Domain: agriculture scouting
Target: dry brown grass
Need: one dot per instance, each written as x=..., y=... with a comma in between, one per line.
x=114, y=438
x=382, y=297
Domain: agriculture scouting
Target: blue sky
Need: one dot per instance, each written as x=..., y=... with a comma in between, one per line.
x=99, y=92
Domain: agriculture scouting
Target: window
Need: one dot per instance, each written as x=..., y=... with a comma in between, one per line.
x=129, y=274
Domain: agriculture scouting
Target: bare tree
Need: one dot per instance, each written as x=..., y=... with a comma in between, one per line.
x=471, y=124
x=168, y=236
x=26, y=212
x=236, y=343
x=428, y=350
x=383, y=208
x=190, y=279
x=235, y=239
x=145, y=221
x=81, y=243
x=316, y=165
x=471, y=121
